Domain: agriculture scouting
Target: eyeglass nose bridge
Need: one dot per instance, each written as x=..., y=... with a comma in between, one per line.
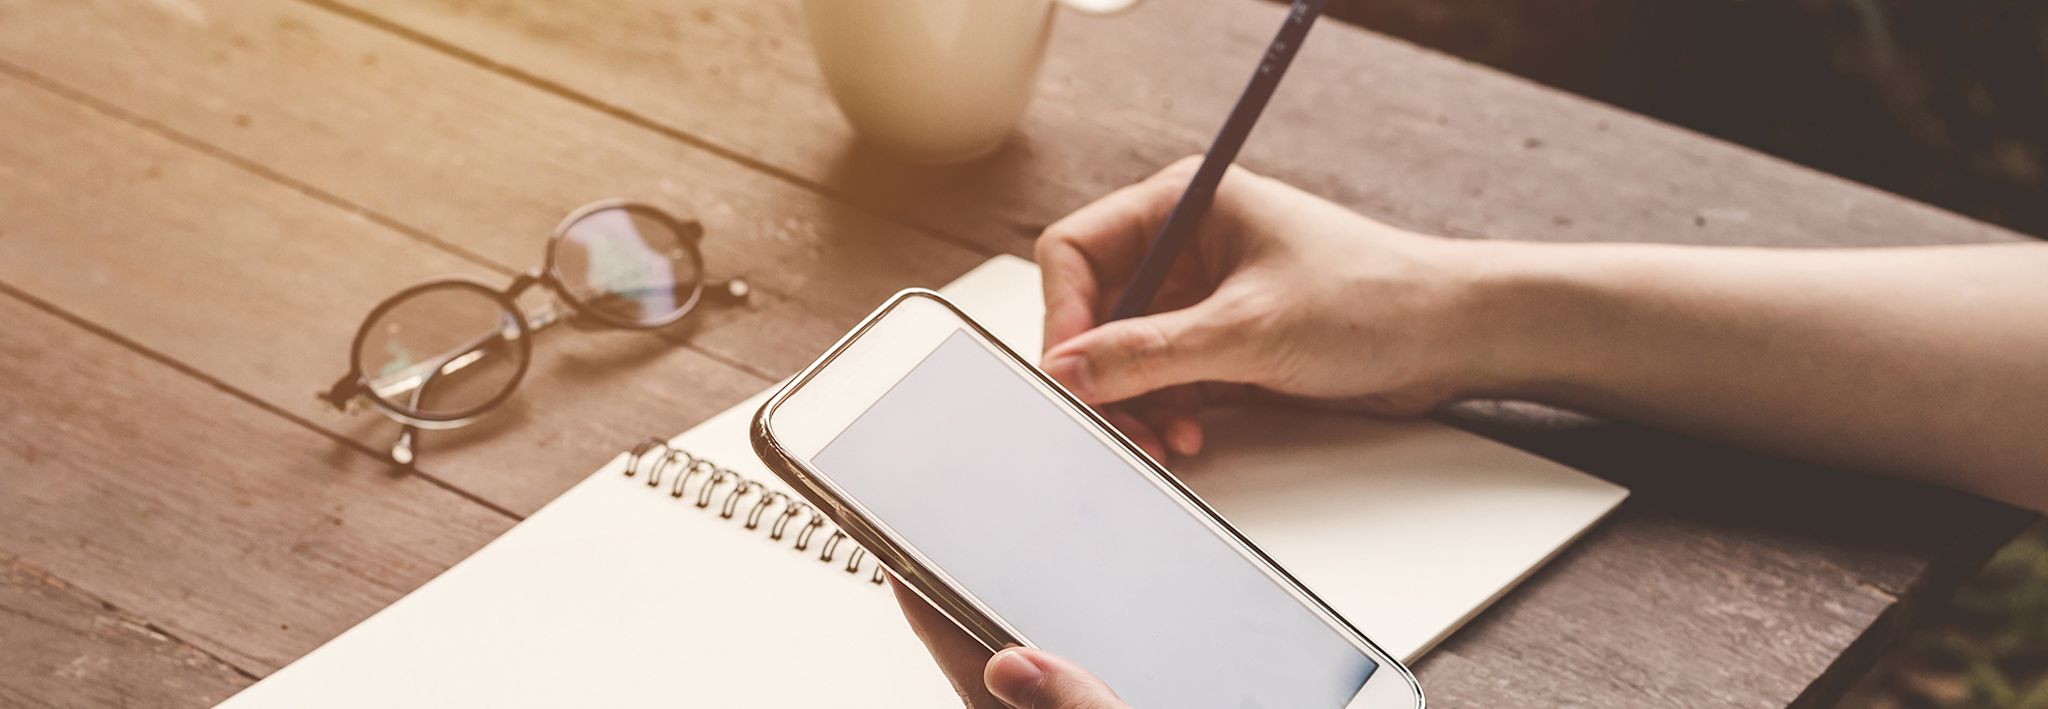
x=527, y=280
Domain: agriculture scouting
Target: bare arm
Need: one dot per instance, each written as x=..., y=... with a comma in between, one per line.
x=1927, y=362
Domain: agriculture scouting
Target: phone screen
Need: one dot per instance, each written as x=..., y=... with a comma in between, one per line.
x=1077, y=549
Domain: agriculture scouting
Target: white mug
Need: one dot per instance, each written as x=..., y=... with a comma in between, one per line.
x=935, y=81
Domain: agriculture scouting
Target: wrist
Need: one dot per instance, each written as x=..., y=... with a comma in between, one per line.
x=1532, y=313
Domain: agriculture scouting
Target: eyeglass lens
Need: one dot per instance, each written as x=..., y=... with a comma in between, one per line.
x=442, y=352
x=628, y=265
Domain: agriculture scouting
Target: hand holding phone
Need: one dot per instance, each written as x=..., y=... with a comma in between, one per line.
x=1018, y=677
x=1026, y=520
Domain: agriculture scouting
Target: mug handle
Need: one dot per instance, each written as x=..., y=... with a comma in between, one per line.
x=1099, y=7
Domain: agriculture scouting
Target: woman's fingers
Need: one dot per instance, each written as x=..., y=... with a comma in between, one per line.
x=1137, y=430
x=1029, y=678
x=959, y=655
x=1182, y=433
x=1129, y=358
x=1022, y=677
x=1082, y=256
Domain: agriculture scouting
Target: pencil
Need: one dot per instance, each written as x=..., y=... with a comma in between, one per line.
x=1180, y=224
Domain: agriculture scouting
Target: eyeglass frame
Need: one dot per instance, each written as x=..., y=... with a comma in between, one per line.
x=354, y=387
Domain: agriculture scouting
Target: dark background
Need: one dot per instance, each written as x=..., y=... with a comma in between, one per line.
x=1943, y=101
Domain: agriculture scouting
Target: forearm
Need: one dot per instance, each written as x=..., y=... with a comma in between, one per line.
x=1930, y=363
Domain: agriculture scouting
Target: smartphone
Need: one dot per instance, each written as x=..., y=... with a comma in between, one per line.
x=989, y=490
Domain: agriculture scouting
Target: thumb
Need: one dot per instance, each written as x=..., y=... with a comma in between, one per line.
x=1125, y=358
x=1028, y=678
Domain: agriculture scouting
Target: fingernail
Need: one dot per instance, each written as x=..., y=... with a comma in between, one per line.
x=1072, y=370
x=1184, y=436
x=1014, y=678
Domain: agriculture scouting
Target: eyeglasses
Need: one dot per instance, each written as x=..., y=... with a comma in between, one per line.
x=442, y=353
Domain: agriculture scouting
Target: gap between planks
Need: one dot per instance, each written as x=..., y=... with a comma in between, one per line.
x=11, y=565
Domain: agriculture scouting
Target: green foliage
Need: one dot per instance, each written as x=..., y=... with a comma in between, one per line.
x=1986, y=649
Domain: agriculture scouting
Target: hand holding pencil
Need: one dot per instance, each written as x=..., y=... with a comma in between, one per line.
x=1280, y=294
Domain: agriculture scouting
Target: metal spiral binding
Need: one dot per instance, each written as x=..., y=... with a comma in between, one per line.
x=653, y=459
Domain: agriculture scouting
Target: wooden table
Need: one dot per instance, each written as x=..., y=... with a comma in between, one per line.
x=203, y=197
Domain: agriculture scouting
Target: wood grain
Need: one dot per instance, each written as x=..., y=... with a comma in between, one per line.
x=242, y=533
x=448, y=152
x=1395, y=131
x=65, y=647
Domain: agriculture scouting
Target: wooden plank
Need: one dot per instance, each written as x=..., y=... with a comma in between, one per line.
x=348, y=136
x=63, y=647
x=245, y=534
x=1393, y=130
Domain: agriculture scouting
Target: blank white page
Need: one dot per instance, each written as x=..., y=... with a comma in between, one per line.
x=618, y=595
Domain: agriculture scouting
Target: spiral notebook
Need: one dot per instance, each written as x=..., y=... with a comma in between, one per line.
x=683, y=573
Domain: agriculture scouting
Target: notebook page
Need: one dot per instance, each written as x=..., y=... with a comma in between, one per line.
x=619, y=595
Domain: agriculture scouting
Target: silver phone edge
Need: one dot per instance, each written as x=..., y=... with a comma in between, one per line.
x=976, y=621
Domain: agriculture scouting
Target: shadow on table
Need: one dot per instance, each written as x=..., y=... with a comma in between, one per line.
x=951, y=199
x=1861, y=515
x=1878, y=529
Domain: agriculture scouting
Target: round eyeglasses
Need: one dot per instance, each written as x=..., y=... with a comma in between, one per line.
x=439, y=354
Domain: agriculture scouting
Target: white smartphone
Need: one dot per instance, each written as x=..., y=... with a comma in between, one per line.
x=1028, y=520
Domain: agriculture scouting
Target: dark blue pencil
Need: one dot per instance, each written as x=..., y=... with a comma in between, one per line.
x=1180, y=224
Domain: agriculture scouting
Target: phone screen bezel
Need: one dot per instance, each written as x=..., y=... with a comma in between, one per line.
x=809, y=411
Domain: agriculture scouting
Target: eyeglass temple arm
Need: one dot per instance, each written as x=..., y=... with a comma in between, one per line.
x=344, y=390
x=347, y=389
x=404, y=451
x=728, y=291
